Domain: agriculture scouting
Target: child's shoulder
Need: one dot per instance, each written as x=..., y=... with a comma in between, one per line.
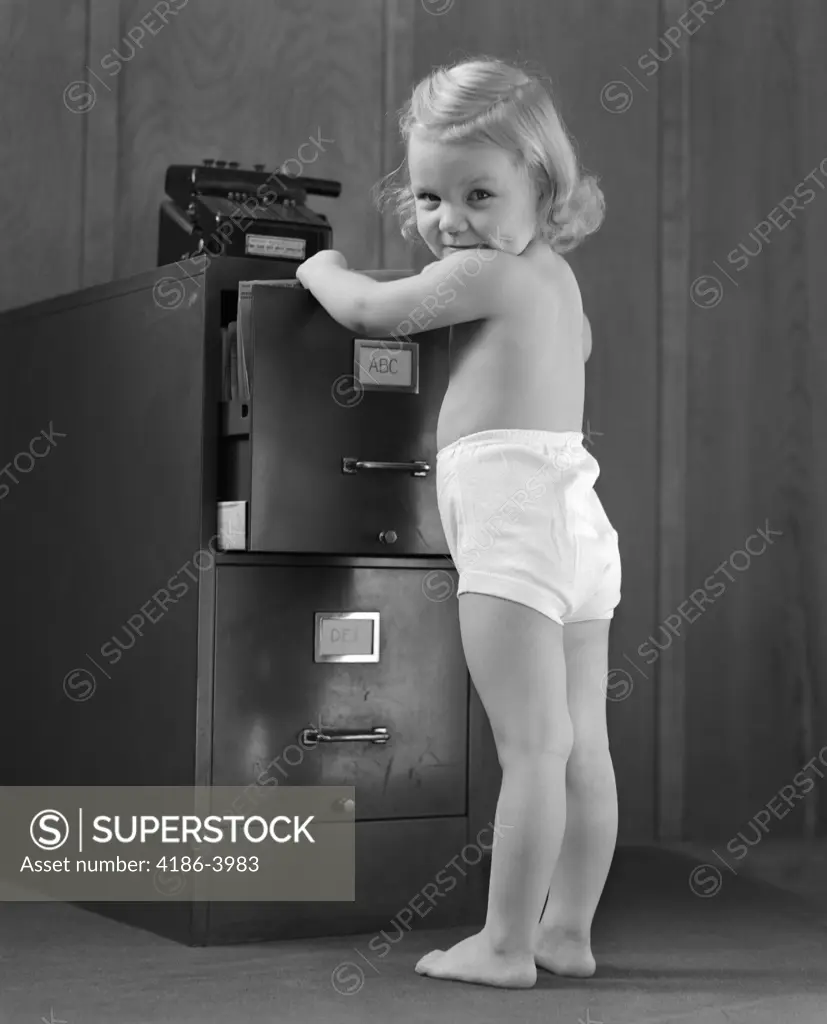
x=552, y=269
x=547, y=261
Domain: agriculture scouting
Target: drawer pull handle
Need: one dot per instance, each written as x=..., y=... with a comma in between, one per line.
x=310, y=737
x=415, y=468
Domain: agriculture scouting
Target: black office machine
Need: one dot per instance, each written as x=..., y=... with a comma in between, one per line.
x=224, y=210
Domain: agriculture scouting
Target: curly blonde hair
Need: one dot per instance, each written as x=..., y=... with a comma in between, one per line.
x=488, y=100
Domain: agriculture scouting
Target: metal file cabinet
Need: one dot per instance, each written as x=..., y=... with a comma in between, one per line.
x=321, y=653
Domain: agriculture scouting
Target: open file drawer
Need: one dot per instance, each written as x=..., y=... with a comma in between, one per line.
x=335, y=452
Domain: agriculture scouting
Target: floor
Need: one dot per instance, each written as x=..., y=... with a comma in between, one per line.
x=736, y=949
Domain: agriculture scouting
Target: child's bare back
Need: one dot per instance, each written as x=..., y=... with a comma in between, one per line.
x=523, y=369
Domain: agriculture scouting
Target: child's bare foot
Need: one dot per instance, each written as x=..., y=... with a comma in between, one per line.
x=564, y=953
x=474, y=960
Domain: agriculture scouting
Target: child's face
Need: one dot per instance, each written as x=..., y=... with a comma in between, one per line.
x=470, y=195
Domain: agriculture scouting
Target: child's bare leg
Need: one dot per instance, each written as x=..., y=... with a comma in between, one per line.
x=516, y=659
x=564, y=935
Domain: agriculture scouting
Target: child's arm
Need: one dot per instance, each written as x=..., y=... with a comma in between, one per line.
x=464, y=286
x=587, y=338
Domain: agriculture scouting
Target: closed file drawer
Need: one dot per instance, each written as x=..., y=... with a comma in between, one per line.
x=397, y=716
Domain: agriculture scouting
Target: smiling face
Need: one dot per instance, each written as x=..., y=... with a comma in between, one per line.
x=470, y=195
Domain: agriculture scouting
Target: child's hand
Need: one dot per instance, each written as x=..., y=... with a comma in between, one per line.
x=324, y=258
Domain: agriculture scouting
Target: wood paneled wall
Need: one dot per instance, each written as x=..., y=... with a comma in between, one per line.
x=705, y=390
x=42, y=150
x=756, y=423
